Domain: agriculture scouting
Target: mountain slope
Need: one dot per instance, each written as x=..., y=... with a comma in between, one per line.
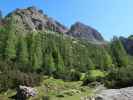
x=83, y=31
x=32, y=19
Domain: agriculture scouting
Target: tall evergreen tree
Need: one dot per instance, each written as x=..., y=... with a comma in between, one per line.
x=49, y=64
x=59, y=63
x=90, y=64
x=22, y=51
x=107, y=60
x=3, y=35
x=119, y=54
x=11, y=41
x=35, y=51
x=38, y=52
x=68, y=53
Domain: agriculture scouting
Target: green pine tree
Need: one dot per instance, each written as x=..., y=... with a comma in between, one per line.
x=22, y=52
x=59, y=63
x=35, y=51
x=3, y=36
x=11, y=41
x=49, y=64
x=38, y=52
x=119, y=54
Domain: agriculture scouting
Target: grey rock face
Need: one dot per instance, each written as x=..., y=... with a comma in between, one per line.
x=112, y=94
x=85, y=32
x=116, y=94
x=35, y=20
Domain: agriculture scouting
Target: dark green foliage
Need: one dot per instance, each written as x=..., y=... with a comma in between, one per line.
x=94, y=75
x=69, y=75
x=49, y=65
x=131, y=37
x=11, y=41
x=120, y=77
x=22, y=51
x=59, y=63
x=45, y=98
x=59, y=56
x=119, y=54
x=11, y=77
x=106, y=61
x=74, y=75
x=3, y=37
x=37, y=53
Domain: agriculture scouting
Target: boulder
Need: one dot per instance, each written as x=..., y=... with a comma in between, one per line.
x=24, y=92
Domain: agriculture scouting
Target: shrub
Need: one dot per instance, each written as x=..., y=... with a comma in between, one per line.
x=93, y=75
x=70, y=75
x=120, y=77
x=45, y=98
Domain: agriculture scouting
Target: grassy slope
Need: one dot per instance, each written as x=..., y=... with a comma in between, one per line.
x=54, y=88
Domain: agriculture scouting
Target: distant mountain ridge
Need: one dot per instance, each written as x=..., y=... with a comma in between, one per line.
x=83, y=31
x=33, y=19
x=128, y=44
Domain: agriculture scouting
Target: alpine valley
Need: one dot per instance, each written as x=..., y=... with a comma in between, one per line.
x=60, y=63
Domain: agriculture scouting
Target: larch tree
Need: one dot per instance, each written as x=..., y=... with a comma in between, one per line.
x=119, y=53
x=22, y=51
x=11, y=41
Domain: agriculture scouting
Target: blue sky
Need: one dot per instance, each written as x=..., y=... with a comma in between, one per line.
x=110, y=17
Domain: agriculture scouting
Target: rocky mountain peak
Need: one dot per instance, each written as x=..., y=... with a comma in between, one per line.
x=34, y=19
x=81, y=30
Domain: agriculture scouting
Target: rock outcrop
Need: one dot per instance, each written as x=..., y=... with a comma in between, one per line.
x=24, y=92
x=113, y=94
x=33, y=19
x=83, y=31
x=116, y=94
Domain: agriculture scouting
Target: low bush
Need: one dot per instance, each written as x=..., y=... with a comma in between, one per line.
x=93, y=75
x=120, y=77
